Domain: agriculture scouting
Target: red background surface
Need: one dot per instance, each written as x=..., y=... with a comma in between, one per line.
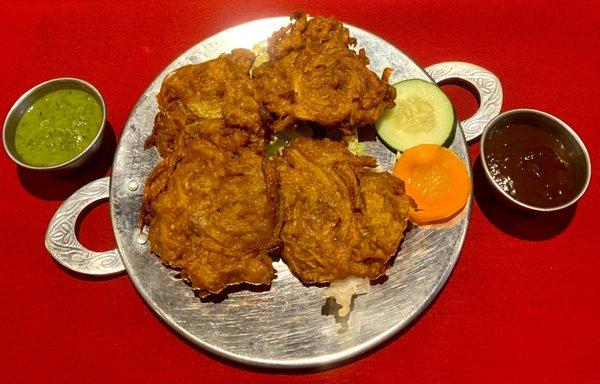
x=522, y=304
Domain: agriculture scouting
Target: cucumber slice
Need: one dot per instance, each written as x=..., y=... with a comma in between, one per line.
x=422, y=115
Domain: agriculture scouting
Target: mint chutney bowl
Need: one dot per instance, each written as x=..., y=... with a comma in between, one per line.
x=56, y=125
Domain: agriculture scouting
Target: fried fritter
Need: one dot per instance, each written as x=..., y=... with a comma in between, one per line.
x=215, y=99
x=212, y=214
x=312, y=75
x=216, y=207
x=337, y=217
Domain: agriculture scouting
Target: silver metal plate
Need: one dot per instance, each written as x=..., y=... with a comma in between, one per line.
x=281, y=327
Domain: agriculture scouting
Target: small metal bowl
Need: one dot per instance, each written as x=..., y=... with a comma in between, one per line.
x=560, y=130
x=25, y=102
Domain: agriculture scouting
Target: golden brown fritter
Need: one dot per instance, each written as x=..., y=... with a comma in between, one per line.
x=212, y=213
x=312, y=75
x=215, y=99
x=216, y=207
x=337, y=218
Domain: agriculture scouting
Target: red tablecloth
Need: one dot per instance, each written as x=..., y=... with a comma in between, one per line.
x=522, y=304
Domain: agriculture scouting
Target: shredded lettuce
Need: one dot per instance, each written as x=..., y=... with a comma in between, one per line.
x=260, y=50
x=285, y=137
x=274, y=147
x=355, y=146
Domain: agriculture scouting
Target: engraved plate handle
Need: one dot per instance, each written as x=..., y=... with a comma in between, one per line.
x=484, y=82
x=61, y=240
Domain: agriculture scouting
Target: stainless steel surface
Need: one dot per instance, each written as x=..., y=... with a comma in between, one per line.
x=61, y=239
x=282, y=327
x=485, y=83
x=28, y=98
x=566, y=135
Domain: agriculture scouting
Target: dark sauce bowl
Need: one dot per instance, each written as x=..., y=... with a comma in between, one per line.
x=579, y=159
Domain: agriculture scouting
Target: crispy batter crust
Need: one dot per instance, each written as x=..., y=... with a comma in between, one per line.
x=215, y=99
x=312, y=75
x=337, y=217
x=212, y=215
x=216, y=207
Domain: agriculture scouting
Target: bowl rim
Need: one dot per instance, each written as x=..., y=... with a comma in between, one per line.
x=557, y=121
x=89, y=87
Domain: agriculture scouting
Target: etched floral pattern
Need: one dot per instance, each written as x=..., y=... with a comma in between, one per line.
x=61, y=240
x=485, y=83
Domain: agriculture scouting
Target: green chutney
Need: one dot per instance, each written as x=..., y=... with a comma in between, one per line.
x=58, y=127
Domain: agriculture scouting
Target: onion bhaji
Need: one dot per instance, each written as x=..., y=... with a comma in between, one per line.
x=211, y=213
x=215, y=99
x=312, y=75
x=216, y=206
x=337, y=217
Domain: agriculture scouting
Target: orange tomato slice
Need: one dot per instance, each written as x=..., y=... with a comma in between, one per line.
x=436, y=179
